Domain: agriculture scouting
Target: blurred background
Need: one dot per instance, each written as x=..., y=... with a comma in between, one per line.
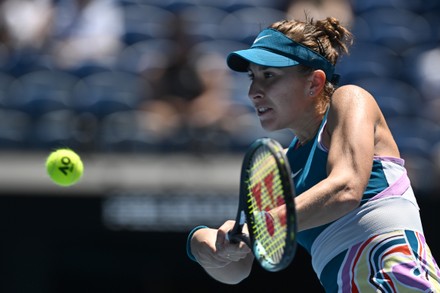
x=140, y=89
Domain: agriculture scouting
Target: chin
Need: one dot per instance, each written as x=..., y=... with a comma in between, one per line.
x=270, y=127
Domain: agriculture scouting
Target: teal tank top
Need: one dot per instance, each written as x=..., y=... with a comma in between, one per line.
x=308, y=165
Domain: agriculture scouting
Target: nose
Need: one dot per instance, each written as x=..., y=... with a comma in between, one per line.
x=255, y=92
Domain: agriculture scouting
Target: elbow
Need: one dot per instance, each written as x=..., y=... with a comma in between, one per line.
x=350, y=203
x=351, y=197
x=349, y=190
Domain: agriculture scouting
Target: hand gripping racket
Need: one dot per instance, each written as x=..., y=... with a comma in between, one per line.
x=266, y=185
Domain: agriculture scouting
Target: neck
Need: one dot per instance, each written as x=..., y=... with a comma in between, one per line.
x=309, y=129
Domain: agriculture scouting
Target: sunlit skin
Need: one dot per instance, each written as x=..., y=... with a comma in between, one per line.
x=345, y=165
x=285, y=98
x=282, y=99
x=355, y=132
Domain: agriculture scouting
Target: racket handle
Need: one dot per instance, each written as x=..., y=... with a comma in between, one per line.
x=231, y=238
x=235, y=238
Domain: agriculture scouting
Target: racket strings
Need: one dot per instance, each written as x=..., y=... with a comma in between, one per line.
x=265, y=192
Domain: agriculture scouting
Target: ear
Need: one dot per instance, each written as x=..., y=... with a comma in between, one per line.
x=317, y=82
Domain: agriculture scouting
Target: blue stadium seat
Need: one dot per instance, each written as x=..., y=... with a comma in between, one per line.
x=416, y=139
x=397, y=29
x=107, y=92
x=126, y=131
x=145, y=55
x=221, y=47
x=156, y=3
x=360, y=6
x=366, y=60
x=412, y=69
x=415, y=129
x=433, y=18
x=202, y=23
x=87, y=68
x=143, y=22
x=4, y=57
x=53, y=130
x=395, y=97
x=422, y=172
x=42, y=91
x=243, y=25
x=430, y=6
x=176, y=6
x=15, y=127
x=5, y=82
x=361, y=29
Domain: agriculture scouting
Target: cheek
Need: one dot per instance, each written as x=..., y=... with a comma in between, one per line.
x=292, y=103
x=288, y=99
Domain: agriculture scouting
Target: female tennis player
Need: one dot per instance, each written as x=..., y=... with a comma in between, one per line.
x=357, y=214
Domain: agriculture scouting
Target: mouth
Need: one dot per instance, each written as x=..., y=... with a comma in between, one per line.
x=263, y=110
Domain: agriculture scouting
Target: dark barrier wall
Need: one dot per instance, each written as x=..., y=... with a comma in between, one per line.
x=58, y=244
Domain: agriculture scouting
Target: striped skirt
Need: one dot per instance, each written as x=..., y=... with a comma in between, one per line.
x=398, y=261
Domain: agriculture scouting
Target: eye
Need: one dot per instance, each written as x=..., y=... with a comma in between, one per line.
x=250, y=75
x=268, y=74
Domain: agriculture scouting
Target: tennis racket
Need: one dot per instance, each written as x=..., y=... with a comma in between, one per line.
x=266, y=185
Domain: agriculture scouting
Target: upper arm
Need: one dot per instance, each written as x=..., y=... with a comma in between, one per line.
x=351, y=126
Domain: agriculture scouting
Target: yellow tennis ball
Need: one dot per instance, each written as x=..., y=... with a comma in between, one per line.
x=64, y=167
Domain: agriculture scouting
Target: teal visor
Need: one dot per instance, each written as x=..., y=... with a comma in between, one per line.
x=272, y=48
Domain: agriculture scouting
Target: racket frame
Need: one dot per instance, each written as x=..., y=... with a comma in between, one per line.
x=244, y=215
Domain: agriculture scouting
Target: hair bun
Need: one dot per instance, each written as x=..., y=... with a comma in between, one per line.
x=337, y=34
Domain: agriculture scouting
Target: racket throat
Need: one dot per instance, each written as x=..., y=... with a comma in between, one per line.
x=242, y=219
x=236, y=234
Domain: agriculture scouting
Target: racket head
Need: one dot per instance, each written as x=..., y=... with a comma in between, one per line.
x=266, y=184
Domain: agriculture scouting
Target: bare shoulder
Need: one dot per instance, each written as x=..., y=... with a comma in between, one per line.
x=352, y=97
x=351, y=92
x=354, y=111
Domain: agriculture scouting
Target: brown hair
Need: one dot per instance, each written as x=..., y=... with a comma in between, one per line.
x=327, y=37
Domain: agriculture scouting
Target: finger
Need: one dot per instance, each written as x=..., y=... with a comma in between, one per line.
x=244, y=248
x=214, y=261
x=235, y=252
x=220, y=240
x=234, y=257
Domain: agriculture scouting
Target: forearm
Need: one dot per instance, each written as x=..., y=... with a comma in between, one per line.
x=325, y=202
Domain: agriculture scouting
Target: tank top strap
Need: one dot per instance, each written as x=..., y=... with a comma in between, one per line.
x=312, y=150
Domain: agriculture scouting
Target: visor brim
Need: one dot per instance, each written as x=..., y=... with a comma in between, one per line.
x=239, y=60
